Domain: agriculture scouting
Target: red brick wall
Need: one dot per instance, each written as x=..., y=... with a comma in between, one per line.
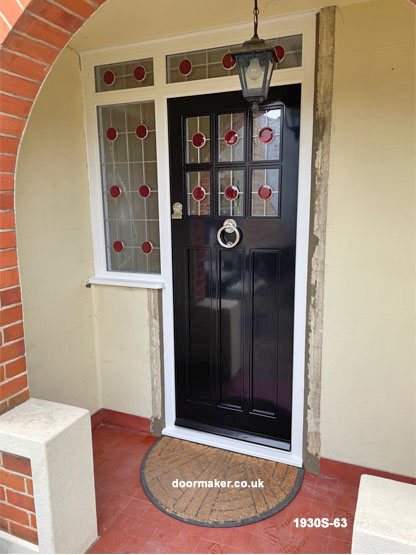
x=17, y=506
x=32, y=34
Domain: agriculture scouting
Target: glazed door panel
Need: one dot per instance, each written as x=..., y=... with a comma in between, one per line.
x=233, y=307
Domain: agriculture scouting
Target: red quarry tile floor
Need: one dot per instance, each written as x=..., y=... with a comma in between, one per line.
x=129, y=523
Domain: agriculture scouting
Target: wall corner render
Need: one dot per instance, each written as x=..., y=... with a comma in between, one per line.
x=325, y=52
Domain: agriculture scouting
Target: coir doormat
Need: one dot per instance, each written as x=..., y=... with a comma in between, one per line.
x=212, y=487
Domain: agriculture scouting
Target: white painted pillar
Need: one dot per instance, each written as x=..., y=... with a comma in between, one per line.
x=385, y=518
x=57, y=440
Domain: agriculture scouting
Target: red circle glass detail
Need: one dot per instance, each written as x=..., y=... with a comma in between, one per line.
x=265, y=192
x=199, y=140
x=199, y=193
x=112, y=134
x=147, y=247
x=280, y=52
x=109, y=77
x=139, y=73
x=231, y=137
x=228, y=61
x=144, y=191
x=266, y=135
x=115, y=191
x=141, y=131
x=118, y=246
x=185, y=67
x=231, y=192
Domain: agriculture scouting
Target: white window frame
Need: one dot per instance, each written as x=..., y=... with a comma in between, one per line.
x=160, y=92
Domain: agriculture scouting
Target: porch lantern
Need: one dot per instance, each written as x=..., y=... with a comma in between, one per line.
x=255, y=66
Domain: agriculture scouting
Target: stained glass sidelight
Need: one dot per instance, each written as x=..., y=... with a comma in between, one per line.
x=231, y=137
x=198, y=188
x=124, y=75
x=266, y=134
x=127, y=138
x=219, y=62
x=265, y=192
x=230, y=192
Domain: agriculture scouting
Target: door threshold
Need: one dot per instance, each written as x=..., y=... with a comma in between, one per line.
x=233, y=434
x=230, y=444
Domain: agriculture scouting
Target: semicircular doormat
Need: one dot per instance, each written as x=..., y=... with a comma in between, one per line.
x=183, y=479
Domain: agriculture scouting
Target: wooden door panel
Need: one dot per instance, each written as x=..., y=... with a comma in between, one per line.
x=265, y=331
x=231, y=312
x=200, y=308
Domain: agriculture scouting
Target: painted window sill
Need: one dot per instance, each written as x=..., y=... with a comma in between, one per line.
x=140, y=280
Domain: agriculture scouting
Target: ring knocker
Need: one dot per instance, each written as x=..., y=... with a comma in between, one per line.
x=229, y=227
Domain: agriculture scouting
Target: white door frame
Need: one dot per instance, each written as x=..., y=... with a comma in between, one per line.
x=304, y=24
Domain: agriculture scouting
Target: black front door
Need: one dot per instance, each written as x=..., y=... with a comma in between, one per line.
x=234, y=290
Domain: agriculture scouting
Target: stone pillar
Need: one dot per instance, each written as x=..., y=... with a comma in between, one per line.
x=56, y=439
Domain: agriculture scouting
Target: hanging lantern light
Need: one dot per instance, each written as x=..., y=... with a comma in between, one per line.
x=255, y=65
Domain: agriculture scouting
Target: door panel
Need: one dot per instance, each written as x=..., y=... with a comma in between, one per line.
x=265, y=326
x=231, y=311
x=233, y=307
x=199, y=309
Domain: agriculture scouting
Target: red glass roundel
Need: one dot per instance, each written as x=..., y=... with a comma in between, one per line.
x=139, y=73
x=265, y=192
x=199, y=140
x=112, y=134
x=231, y=137
x=280, y=52
x=231, y=192
x=199, y=193
x=118, y=246
x=147, y=247
x=144, y=191
x=228, y=61
x=185, y=67
x=109, y=77
x=266, y=135
x=141, y=131
x=115, y=191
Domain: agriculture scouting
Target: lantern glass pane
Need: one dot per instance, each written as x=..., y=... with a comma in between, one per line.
x=255, y=70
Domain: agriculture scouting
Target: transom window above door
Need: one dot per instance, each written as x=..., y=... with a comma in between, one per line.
x=124, y=75
x=239, y=172
x=219, y=62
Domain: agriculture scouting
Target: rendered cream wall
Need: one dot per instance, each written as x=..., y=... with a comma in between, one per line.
x=85, y=346
x=139, y=21
x=55, y=245
x=123, y=349
x=368, y=373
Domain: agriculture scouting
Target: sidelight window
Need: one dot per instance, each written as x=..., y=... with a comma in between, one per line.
x=128, y=162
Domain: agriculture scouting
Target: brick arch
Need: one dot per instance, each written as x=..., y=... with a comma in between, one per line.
x=32, y=35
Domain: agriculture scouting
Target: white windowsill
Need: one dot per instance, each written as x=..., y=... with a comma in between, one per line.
x=146, y=282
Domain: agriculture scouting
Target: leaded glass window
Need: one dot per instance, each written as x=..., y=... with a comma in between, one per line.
x=219, y=62
x=127, y=137
x=124, y=75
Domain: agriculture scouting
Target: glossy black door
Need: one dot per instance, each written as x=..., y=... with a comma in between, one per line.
x=233, y=307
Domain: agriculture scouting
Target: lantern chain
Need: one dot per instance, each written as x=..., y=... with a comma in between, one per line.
x=256, y=19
